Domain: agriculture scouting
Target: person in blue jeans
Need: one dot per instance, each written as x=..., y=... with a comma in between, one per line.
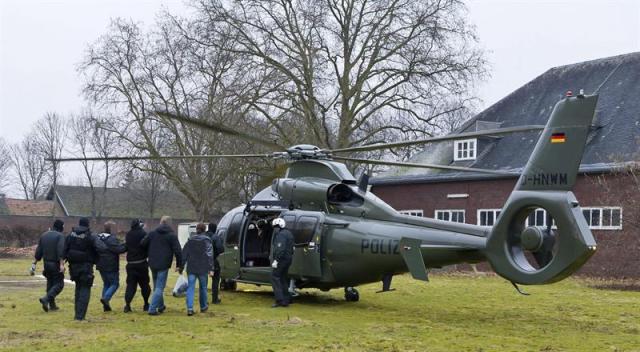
x=109, y=263
x=163, y=245
x=197, y=256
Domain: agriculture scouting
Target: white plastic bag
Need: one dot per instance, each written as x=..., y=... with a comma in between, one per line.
x=180, y=289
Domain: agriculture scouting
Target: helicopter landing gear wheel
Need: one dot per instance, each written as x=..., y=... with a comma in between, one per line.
x=228, y=285
x=351, y=294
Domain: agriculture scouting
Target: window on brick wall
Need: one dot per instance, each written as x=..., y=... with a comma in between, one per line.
x=465, y=149
x=538, y=217
x=488, y=217
x=412, y=212
x=603, y=218
x=454, y=215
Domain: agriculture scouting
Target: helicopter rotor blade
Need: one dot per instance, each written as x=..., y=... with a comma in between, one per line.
x=165, y=157
x=216, y=127
x=494, y=132
x=427, y=166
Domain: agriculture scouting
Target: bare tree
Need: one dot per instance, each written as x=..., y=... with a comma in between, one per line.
x=351, y=71
x=31, y=169
x=92, y=137
x=49, y=137
x=135, y=75
x=5, y=164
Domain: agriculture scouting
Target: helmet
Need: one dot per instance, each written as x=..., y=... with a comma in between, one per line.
x=279, y=222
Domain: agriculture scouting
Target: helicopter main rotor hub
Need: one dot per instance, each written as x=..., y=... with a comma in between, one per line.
x=303, y=152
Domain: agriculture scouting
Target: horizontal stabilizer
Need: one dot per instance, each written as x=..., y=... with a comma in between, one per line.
x=410, y=251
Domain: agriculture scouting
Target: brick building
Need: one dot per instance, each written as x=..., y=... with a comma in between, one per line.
x=608, y=185
x=22, y=221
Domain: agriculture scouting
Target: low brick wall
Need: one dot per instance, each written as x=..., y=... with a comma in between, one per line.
x=24, y=231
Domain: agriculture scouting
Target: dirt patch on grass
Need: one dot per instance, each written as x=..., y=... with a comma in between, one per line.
x=619, y=286
x=613, y=284
x=13, y=252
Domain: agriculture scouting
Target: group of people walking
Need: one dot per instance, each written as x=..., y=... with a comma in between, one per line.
x=82, y=249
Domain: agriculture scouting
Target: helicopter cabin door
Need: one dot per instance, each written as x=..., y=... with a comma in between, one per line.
x=307, y=237
x=230, y=231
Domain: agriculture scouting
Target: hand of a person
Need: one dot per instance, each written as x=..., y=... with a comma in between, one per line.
x=211, y=273
x=274, y=264
x=62, y=267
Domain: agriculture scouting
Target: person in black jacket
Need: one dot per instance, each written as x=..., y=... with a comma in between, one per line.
x=137, y=266
x=282, y=255
x=197, y=255
x=81, y=252
x=163, y=245
x=50, y=249
x=218, y=248
x=109, y=264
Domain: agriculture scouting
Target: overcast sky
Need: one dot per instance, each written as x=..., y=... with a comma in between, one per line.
x=42, y=41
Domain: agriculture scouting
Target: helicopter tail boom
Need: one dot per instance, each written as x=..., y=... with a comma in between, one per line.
x=538, y=255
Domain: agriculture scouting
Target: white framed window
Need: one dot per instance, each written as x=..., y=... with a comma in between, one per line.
x=465, y=149
x=538, y=217
x=453, y=215
x=603, y=218
x=412, y=212
x=488, y=217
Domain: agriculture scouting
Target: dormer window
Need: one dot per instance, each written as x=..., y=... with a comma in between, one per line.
x=465, y=149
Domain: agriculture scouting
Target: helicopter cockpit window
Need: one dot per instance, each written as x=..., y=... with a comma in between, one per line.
x=305, y=229
x=233, y=234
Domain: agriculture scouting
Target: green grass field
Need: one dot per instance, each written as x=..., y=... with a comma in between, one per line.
x=450, y=313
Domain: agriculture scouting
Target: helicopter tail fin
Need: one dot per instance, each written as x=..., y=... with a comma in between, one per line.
x=540, y=255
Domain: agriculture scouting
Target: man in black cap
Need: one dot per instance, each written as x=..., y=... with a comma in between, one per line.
x=218, y=248
x=137, y=266
x=81, y=252
x=50, y=250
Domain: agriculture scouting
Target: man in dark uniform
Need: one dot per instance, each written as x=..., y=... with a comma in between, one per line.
x=218, y=248
x=81, y=252
x=282, y=255
x=50, y=249
x=163, y=245
x=137, y=266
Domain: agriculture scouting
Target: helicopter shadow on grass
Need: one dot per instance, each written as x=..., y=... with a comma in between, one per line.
x=315, y=298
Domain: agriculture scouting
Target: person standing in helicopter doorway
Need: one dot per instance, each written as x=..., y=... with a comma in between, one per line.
x=282, y=255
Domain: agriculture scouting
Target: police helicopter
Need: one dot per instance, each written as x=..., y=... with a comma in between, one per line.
x=345, y=236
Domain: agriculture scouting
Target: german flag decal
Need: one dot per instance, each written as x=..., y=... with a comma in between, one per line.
x=558, y=138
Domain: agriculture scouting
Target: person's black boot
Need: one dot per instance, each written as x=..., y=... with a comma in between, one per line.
x=145, y=307
x=45, y=303
x=53, y=306
x=105, y=305
x=127, y=308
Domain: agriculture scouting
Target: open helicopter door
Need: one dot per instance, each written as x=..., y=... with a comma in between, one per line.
x=230, y=228
x=307, y=232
